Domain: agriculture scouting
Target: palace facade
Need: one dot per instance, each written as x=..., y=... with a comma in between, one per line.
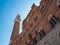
x=40, y=27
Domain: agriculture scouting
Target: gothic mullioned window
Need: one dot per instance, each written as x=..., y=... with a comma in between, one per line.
x=58, y=3
x=52, y=19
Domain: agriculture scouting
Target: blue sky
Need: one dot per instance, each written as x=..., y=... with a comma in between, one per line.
x=8, y=11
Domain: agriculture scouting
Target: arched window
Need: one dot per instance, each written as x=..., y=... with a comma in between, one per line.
x=58, y=3
x=52, y=19
x=41, y=32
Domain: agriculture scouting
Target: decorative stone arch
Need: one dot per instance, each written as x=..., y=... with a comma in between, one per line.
x=53, y=19
x=58, y=3
x=50, y=16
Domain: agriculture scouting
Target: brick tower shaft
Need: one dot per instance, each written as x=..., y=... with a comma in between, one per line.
x=16, y=26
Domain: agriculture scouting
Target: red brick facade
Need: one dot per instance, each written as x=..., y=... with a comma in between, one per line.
x=36, y=21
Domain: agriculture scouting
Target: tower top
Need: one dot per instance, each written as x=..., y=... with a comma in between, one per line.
x=17, y=19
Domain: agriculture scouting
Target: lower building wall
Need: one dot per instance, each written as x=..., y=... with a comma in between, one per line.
x=52, y=38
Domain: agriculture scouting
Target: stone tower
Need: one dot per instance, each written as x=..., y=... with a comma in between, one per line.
x=15, y=31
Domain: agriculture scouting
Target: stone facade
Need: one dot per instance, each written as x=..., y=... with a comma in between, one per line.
x=52, y=38
x=39, y=22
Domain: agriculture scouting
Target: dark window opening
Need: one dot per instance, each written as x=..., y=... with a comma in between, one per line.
x=35, y=19
x=58, y=0
x=59, y=6
x=59, y=34
x=53, y=21
x=42, y=33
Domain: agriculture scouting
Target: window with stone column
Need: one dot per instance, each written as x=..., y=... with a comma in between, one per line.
x=52, y=19
x=58, y=3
